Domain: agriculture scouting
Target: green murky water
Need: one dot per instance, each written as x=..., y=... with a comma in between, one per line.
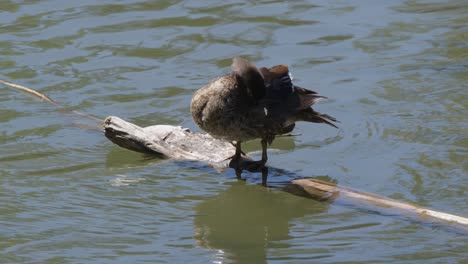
x=396, y=73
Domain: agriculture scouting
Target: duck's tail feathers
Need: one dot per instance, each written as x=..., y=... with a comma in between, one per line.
x=309, y=115
x=307, y=97
x=307, y=100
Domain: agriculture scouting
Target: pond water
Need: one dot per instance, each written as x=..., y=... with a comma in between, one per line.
x=396, y=73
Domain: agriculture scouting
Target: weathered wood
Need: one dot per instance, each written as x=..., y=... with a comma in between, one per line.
x=170, y=141
x=329, y=191
x=48, y=99
x=180, y=143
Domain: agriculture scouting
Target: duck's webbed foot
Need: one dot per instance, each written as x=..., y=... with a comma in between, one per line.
x=237, y=159
x=253, y=165
x=240, y=163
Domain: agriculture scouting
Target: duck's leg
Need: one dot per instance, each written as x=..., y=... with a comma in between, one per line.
x=264, y=151
x=264, y=176
x=237, y=157
x=238, y=163
x=235, y=161
x=239, y=152
x=234, y=143
x=258, y=165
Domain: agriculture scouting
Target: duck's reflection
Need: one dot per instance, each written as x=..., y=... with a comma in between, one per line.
x=244, y=221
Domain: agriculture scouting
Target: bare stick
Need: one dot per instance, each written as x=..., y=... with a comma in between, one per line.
x=332, y=192
x=47, y=99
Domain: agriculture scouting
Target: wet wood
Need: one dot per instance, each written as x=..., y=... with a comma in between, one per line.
x=332, y=192
x=47, y=99
x=182, y=144
x=169, y=141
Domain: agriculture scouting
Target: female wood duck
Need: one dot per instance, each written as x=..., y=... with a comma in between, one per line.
x=252, y=103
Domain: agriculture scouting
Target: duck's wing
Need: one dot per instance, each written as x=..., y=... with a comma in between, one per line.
x=248, y=74
x=280, y=88
x=277, y=78
x=290, y=101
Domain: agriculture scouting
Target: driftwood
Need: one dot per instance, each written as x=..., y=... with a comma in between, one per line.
x=182, y=144
x=319, y=188
x=48, y=99
x=169, y=141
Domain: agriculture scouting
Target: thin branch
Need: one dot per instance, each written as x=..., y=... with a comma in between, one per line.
x=331, y=191
x=49, y=100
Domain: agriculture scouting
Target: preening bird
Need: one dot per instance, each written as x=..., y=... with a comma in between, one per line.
x=252, y=103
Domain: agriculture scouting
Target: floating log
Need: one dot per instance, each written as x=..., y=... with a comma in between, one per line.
x=173, y=142
x=182, y=144
x=169, y=141
x=330, y=191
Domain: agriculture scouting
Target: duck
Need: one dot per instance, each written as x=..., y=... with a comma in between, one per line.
x=254, y=103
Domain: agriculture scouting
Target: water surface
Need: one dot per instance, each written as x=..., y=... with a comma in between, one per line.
x=395, y=73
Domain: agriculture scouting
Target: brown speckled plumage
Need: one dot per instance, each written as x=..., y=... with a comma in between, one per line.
x=254, y=103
